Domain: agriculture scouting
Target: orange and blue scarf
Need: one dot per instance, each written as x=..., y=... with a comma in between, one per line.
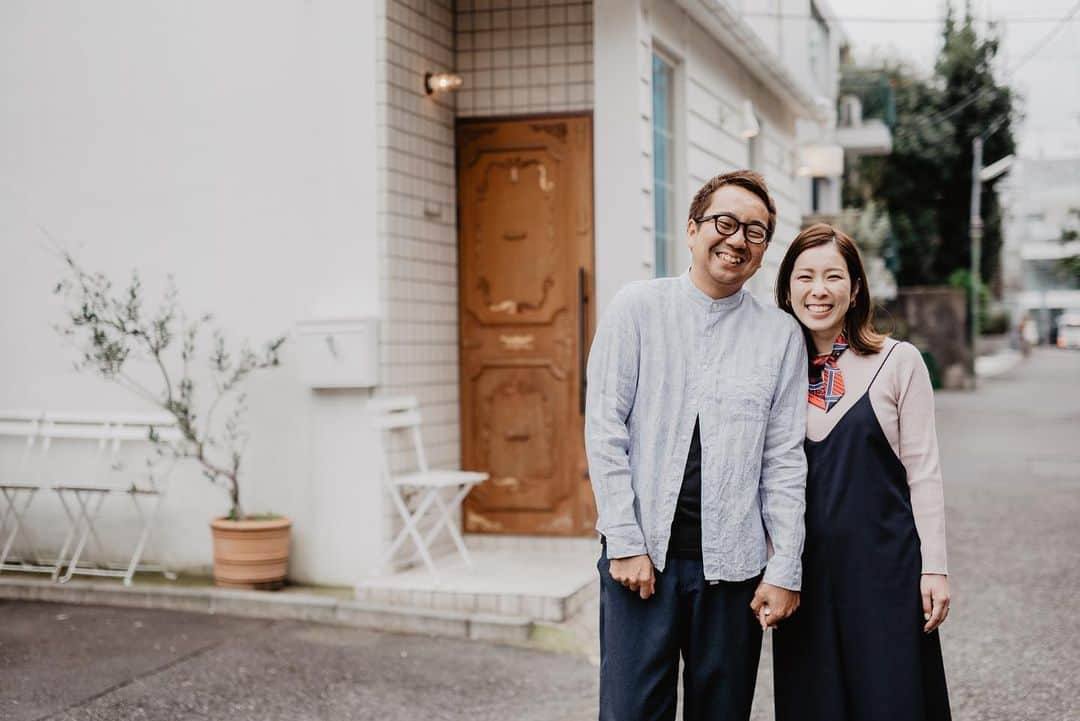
x=826, y=381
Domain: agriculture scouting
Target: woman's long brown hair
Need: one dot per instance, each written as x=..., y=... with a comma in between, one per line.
x=858, y=323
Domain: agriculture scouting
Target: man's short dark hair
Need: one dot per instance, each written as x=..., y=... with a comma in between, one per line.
x=746, y=179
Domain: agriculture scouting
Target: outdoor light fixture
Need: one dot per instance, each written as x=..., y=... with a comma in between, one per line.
x=821, y=161
x=750, y=121
x=440, y=82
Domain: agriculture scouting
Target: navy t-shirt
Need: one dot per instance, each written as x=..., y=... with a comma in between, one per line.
x=686, y=527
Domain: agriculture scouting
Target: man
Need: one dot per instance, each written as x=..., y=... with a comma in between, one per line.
x=695, y=421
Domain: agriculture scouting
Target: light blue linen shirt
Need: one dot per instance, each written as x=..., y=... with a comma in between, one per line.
x=664, y=355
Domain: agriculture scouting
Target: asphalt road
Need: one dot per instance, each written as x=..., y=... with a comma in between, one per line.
x=1011, y=459
x=92, y=663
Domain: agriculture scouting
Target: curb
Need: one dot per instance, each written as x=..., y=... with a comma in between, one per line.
x=998, y=364
x=264, y=604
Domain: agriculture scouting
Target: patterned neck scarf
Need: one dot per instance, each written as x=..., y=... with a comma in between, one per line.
x=826, y=381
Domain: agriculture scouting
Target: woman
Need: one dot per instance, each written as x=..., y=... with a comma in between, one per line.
x=863, y=645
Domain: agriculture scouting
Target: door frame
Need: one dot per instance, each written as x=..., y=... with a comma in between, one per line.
x=586, y=260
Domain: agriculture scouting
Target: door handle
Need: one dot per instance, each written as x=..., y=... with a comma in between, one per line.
x=583, y=301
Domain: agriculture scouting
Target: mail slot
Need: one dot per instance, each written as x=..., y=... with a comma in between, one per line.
x=339, y=353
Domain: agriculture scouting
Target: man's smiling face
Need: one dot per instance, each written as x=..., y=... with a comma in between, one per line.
x=721, y=265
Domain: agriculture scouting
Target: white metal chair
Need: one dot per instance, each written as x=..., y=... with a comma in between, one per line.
x=20, y=480
x=402, y=415
x=82, y=498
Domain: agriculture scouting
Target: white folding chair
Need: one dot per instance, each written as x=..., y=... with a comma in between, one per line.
x=20, y=480
x=401, y=415
x=83, y=499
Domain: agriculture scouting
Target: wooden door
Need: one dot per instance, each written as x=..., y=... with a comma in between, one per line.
x=525, y=262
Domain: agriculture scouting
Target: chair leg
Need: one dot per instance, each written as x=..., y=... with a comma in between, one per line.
x=69, y=537
x=35, y=559
x=409, y=530
x=88, y=512
x=447, y=521
x=144, y=537
x=9, y=508
x=151, y=546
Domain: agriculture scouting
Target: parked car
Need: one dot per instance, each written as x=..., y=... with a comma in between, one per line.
x=1068, y=330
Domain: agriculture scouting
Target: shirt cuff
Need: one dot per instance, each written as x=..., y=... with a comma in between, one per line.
x=933, y=561
x=625, y=544
x=784, y=572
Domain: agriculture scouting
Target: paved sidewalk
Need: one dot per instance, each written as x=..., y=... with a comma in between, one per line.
x=88, y=663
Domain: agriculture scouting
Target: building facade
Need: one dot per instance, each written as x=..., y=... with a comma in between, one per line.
x=286, y=164
x=1041, y=202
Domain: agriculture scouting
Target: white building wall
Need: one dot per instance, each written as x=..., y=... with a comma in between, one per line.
x=310, y=176
x=712, y=87
x=227, y=144
x=622, y=142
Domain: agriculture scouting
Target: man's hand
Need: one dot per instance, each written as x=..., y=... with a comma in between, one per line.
x=934, y=588
x=773, y=604
x=636, y=573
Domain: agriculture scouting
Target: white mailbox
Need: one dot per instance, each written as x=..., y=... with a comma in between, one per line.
x=339, y=353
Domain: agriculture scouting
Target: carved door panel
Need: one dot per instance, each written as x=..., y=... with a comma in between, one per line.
x=525, y=263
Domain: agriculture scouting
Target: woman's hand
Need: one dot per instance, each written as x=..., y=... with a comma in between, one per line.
x=934, y=588
x=635, y=573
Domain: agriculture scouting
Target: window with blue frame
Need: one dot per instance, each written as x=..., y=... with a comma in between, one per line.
x=663, y=118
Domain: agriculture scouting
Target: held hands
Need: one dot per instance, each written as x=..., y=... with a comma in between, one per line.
x=773, y=604
x=635, y=573
x=934, y=588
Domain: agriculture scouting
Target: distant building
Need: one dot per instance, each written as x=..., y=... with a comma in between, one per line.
x=1041, y=202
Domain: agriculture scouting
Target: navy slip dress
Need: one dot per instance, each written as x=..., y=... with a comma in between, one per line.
x=855, y=649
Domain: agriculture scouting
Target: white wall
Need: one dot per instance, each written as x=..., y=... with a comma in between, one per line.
x=712, y=88
x=622, y=169
x=717, y=85
x=230, y=145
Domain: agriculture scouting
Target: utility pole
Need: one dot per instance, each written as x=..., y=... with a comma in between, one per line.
x=975, y=231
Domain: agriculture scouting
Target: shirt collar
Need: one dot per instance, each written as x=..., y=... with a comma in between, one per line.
x=703, y=301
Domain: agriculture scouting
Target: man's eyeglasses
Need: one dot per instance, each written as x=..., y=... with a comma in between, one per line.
x=727, y=225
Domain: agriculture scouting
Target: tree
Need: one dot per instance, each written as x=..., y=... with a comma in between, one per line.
x=115, y=327
x=979, y=106
x=925, y=183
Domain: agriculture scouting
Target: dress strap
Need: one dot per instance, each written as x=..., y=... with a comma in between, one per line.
x=876, y=373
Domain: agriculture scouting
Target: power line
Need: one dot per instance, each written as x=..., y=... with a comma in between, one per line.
x=975, y=97
x=897, y=20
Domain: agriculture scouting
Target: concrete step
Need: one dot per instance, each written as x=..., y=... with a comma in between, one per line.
x=499, y=628
x=548, y=584
x=502, y=542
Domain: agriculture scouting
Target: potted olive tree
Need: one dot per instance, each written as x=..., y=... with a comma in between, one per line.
x=114, y=328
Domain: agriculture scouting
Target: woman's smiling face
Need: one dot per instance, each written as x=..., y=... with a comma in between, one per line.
x=821, y=290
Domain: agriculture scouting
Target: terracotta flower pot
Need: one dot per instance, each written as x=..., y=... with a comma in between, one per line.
x=251, y=554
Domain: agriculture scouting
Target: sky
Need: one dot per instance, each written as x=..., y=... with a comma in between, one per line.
x=1049, y=81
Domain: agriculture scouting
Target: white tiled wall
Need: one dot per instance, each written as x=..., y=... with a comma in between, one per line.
x=417, y=223
x=524, y=56
x=517, y=57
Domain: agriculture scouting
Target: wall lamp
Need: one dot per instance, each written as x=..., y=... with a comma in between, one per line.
x=750, y=128
x=440, y=82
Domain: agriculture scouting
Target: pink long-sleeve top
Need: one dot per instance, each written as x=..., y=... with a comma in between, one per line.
x=903, y=402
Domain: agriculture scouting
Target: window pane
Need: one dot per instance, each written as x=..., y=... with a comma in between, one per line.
x=663, y=162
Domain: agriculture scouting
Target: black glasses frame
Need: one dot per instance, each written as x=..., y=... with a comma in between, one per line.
x=739, y=225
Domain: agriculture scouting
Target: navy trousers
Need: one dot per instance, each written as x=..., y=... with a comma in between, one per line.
x=710, y=625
